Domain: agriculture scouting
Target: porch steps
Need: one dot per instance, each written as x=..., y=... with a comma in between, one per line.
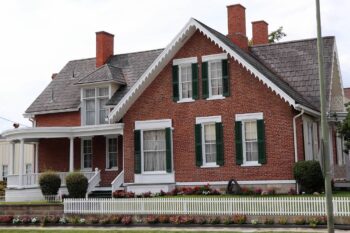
x=100, y=194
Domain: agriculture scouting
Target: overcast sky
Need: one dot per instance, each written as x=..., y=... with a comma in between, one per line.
x=39, y=37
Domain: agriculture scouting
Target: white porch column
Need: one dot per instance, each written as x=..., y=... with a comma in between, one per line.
x=71, y=154
x=21, y=162
x=12, y=158
x=36, y=158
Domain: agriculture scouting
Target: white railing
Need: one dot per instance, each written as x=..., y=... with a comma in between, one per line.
x=118, y=181
x=94, y=181
x=32, y=180
x=306, y=206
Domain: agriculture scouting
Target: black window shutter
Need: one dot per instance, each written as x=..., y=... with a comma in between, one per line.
x=238, y=140
x=261, y=141
x=225, y=78
x=137, y=149
x=198, y=144
x=219, y=144
x=175, y=83
x=168, y=149
x=205, y=80
x=194, y=81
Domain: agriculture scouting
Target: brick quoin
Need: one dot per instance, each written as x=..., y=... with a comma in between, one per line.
x=248, y=95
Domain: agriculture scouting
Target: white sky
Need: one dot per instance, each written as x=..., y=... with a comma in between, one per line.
x=38, y=37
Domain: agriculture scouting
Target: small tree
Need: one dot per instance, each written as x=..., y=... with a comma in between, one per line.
x=77, y=185
x=49, y=183
x=344, y=129
x=309, y=175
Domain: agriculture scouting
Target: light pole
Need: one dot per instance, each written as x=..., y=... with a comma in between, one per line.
x=324, y=125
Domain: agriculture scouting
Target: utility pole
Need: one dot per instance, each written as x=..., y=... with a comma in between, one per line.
x=324, y=125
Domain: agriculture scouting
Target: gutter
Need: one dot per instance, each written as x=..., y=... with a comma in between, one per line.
x=295, y=134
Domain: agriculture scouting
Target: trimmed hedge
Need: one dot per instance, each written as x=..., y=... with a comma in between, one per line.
x=309, y=175
x=77, y=185
x=49, y=183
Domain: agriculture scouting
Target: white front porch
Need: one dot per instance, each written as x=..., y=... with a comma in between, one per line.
x=17, y=183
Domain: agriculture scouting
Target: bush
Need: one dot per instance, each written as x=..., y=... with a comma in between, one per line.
x=49, y=183
x=77, y=185
x=309, y=175
x=6, y=219
x=126, y=220
x=239, y=218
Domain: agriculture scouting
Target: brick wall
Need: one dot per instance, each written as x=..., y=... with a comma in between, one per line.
x=32, y=210
x=58, y=119
x=248, y=95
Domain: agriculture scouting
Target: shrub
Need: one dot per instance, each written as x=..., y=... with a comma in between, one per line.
x=313, y=222
x=227, y=221
x=26, y=219
x=186, y=219
x=104, y=221
x=175, y=219
x=123, y=194
x=200, y=220
x=269, y=221
x=115, y=219
x=6, y=219
x=151, y=219
x=214, y=220
x=93, y=220
x=239, y=219
x=300, y=221
x=282, y=221
x=309, y=175
x=49, y=183
x=126, y=220
x=322, y=220
x=77, y=185
x=163, y=219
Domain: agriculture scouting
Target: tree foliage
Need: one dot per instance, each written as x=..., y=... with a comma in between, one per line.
x=344, y=129
x=276, y=35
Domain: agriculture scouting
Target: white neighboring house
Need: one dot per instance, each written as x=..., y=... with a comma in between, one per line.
x=6, y=151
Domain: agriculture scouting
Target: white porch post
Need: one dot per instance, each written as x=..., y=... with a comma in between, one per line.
x=11, y=159
x=71, y=154
x=21, y=162
x=36, y=158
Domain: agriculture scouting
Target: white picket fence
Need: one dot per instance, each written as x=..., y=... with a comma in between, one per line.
x=306, y=206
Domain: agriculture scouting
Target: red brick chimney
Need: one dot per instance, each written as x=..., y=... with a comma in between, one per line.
x=260, y=32
x=236, y=25
x=104, y=47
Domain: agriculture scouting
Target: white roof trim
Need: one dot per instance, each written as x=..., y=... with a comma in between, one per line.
x=63, y=132
x=157, y=65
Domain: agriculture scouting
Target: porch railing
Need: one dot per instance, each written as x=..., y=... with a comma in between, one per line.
x=118, y=181
x=94, y=181
x=32, y=180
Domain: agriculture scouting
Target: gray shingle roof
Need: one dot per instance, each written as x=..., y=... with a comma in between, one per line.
x=105, y=73
x=297, y=64
x=62, y=93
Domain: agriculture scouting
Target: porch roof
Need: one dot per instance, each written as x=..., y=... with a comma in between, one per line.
x=63, y=132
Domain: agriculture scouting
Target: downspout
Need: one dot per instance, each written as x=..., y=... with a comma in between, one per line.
x=295, y=135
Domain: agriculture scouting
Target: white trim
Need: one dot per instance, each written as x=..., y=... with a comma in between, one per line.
x=216, y=97
x=210, y=165
x=219, y=56
x=153, y=124
x=246, y=182
x=250, y=164
x=183, y=61
x=164, y=58
x=249, y=116
x=209, y=119
x=186, y=100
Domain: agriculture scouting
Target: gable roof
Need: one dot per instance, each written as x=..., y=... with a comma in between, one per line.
x=105, y=73
x=62, y=95
x=296, y=63
x=249, y=62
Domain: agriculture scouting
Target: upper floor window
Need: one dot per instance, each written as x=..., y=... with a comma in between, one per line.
x=185, y=79
x=94, y=105
x=215, y=76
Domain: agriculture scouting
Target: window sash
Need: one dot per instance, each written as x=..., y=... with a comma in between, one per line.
x=154, y=150
x=4, y=171
x=215, y=78
x=250, y=141
x=28, y=168
x=112, y=152
x=185, y=81
x=94, y=102
x=209, y=143
x=87, y=154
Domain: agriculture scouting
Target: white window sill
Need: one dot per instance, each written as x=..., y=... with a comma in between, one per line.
x=210, y=166
x=185, y=101
x=216, y=97
x=251, y=165
x=86, y=170
x=111, y=169
x=155, y=173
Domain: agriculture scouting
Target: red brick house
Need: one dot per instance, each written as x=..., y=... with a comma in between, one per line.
x=206, y=109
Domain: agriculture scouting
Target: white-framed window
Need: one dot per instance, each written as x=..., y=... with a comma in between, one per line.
x=310, y=138
x=155, y=146
x=208, y=134
x=5, y=171
x=112, y=153
x=86, y=154
x=185, y=81
x=29, y=168
x=94, y=105
x=249, y=134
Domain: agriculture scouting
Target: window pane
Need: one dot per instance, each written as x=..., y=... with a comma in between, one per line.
x=28, y=168
x=87, y=153
x=154, y=148
x=112, y=152
x=215, y=77
x=4, y=171
x=90, y=112
x=210, y=143
x=103, y=111
x=88, y=93
x=251, y=141
x=251, y=130
x=186, y=81
x=103, y=91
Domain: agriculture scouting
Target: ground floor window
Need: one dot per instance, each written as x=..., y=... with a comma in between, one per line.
x=250, y=147
x=29, y=168
x=154, y=150
x=209, y=141
x=4, y=172
x=87, y=154
x=112, y=153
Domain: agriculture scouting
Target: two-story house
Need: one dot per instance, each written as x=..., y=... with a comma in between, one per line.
x=206, y=109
